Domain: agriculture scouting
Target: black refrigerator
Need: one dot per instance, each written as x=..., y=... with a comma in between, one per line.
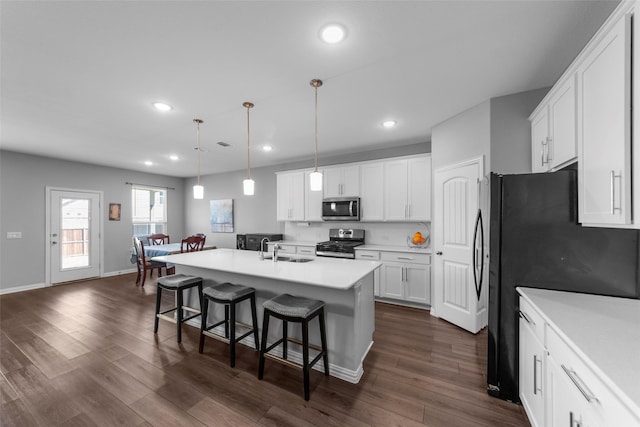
x=536, y=241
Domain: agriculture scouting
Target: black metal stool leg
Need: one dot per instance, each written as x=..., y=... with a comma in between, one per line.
x=254, y=317
x=232, y=334
x=263, y=345
x=305, y=357
x=180, y=314
x=203, y=323
x=158, y=300
x=285, y=335
x=323, y=340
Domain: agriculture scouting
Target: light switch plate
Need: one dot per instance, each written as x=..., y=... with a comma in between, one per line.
x=14, y=234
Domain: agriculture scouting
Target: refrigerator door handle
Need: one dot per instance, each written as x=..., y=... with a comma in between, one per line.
x=478, y=269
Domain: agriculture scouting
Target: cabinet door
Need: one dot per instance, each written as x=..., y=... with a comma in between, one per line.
x=371, y=194
x=351, y=181
x=562, y=146
x=417, y=283
x=419, y=189
x=313, y=201
x=283, y=196
x=391, y=284
x=539, y=139
x=604, y=92
x=531, y=374
x=297, y=197
x=395, y=190
x=332, y=182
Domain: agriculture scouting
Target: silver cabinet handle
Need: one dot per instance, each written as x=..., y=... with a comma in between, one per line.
x=573, y=376
x=524, y=316
x=535, y=374
x=366, y=256
x=613, y=177
x=549, y=142
x=406, y=258
x=544, y=145
x=541, y=153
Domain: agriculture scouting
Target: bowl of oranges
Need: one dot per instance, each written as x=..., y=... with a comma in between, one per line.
x=418, y=240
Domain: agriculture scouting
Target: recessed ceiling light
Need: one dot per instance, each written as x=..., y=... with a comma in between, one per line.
x=174, y=157
x=148, y=162
x=333, y=33
x=161, y=106
x=388, y=124
x=267, y=148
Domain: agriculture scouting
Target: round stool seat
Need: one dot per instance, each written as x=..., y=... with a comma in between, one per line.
x=290, y=306
x=227, y=291
x=176, y=281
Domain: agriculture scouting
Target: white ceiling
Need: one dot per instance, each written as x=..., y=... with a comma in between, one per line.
x=79, y=77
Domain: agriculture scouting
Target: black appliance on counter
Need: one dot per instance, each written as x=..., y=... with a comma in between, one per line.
x=251, y=242
x=342, y=243
x=536, y=242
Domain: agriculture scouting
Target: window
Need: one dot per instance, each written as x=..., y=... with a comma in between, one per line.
x=149, y=210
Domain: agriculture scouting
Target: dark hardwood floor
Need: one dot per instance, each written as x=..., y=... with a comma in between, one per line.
x=84, y=354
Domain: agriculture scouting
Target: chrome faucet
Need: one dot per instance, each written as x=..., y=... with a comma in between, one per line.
x=265, y=239
x=275, y=251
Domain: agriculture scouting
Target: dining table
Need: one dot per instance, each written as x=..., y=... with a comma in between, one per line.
x=151, y=251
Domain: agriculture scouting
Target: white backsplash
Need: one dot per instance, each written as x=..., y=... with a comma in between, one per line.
x=376, y=233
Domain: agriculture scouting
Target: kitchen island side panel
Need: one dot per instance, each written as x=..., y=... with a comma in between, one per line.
x=349, y=316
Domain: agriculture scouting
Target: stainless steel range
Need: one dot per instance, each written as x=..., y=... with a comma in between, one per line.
x=342, y=243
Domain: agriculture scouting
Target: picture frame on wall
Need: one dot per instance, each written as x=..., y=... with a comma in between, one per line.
x=114, y=211
x=221, y=215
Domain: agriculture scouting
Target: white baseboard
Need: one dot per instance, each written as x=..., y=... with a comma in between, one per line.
x=15, y=289
x=340, y=372
x=119, y=273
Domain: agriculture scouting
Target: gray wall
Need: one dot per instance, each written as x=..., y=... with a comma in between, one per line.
x=23, y=179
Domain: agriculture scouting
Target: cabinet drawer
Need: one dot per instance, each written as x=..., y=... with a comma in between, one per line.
x=532, y=319
x=370, y=255
x=306, y=250
x=406, y=257
x=604, y=408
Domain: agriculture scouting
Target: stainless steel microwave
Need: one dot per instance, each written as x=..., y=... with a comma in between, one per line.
x=341, y=209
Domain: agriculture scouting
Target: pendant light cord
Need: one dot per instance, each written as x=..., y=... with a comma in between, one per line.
x=197, y=121
x=316, y=149
x=248, y=144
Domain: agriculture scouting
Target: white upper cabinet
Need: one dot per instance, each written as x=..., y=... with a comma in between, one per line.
x=407, y=189
x=553, y=129
x=342, y=181
x=290, y=196
x=371, y=194
x=604, y=128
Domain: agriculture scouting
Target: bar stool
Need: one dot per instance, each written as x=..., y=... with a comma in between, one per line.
x=178, y=283
x=229, y=295
x=289, y=308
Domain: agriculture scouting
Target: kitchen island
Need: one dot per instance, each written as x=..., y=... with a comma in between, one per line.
x=345, y=285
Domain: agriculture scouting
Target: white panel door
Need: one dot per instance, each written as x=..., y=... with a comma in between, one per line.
x=74, y=235
x=455, y=208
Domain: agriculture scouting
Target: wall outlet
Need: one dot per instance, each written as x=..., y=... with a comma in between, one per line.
x=14, y=234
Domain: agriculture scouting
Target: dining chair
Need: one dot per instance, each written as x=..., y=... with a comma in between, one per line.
x=143, y=264
x=159, y=239
x=192, y=244
x=204, y=236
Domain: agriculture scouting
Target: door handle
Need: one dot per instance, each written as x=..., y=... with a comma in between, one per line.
x=438, y=253
x=54, y=243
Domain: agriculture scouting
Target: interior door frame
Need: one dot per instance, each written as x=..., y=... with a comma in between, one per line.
x=47, y=229
x=481, y=168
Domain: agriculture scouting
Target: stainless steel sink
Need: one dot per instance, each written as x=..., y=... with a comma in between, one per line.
x=288, y=259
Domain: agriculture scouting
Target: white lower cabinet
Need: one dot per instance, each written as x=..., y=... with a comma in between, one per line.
x=532, y=364
x=558, y=388
x=406, y=277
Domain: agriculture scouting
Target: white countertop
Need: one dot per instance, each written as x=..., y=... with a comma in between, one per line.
x=327, y=272
x=391, y=248
x=604, y=331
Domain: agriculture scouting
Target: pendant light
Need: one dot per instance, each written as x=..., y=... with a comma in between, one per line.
x=198, y=190
x=248, y=184
x=315, y=177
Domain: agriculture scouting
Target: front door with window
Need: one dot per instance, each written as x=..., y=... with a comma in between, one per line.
x=74, y=235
